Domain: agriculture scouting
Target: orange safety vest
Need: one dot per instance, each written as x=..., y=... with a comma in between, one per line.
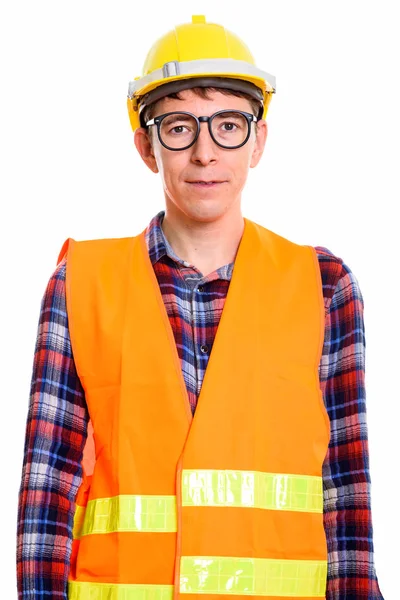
x=228, y=501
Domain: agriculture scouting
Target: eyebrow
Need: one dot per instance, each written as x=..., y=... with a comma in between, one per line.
x=173, y=118
x=230, y=113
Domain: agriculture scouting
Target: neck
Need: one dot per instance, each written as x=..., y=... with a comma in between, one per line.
x=207, y=245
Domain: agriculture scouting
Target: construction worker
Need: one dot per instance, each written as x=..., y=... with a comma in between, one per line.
x=197, y=414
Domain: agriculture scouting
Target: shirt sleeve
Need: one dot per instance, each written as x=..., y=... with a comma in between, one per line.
x=346, y=475
x=56, y=431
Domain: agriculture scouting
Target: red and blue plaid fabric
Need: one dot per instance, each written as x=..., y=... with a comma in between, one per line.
x=58, y=416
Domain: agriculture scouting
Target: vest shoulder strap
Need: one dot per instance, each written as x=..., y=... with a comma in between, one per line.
x=63, y=251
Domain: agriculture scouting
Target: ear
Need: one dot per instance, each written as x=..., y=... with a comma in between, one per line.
x=259, y=145
x=144, y=145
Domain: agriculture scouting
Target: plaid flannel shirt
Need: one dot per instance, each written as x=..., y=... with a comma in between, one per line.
x=56, y=426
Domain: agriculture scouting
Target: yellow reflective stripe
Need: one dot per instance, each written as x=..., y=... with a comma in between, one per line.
x=274, y=491
x=87, y=590
x=220, y=575
x=127, y=513
x=78, y=521
x=200, y=487
x=252, y=576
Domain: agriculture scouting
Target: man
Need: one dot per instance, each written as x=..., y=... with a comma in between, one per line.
x=197, y=415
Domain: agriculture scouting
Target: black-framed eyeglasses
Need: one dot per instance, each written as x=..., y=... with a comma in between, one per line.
x=179, y=130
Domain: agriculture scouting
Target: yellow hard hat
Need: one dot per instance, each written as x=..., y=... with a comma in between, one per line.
x=197, y=54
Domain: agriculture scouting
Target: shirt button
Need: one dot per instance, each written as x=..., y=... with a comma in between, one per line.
x=201, y=288
x=204, y=349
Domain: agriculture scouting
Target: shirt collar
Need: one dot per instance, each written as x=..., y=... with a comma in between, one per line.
x=157, y=243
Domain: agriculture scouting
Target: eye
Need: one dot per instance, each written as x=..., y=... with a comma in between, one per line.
x=229, y=123
x=173, y=129
x=177, y=125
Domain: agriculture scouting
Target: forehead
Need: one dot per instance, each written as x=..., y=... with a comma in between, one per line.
x=191, y=102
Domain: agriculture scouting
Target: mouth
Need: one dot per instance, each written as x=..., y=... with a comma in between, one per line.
x=205, y=184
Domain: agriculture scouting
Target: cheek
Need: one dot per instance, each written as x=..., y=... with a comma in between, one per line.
x=173, y=169
x=240, y=167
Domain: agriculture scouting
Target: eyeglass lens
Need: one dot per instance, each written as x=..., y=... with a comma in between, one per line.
x=179, y=130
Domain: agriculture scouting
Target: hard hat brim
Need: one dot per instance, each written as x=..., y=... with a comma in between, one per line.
x=227, y=67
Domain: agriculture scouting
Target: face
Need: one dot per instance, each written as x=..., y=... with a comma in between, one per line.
x=204, y=160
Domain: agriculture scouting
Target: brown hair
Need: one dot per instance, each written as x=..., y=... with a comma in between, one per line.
x=149, y=111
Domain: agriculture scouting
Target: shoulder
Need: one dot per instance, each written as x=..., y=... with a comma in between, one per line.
x=53, y=311
x=339, y=283
x=55, y=289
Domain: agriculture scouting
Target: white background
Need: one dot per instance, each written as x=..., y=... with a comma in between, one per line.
x=329, y=176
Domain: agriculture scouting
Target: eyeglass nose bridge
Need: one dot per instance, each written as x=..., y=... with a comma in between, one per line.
x=204, y=119
x=207, y=120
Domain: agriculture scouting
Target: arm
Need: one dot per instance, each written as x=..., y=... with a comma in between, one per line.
x=347, y=482
x=56, y=430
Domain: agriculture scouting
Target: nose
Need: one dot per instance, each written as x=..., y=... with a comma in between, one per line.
x=204, y=150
